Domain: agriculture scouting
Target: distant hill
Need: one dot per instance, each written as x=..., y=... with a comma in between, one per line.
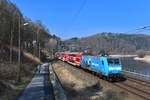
x=109, y=42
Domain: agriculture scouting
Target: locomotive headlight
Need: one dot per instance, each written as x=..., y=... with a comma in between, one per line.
x=114, y=68
x=111, y=68
x=118, y=68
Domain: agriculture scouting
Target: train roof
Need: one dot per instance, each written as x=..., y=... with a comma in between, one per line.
x=75, y=53
x=96, y=57
x=70, y=52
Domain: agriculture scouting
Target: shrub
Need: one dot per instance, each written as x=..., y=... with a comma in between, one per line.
x=109, y=94
x=141, y=53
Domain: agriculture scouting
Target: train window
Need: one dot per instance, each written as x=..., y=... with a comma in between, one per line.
x=89, y=62
x=113, y=61
x=78, y=59
x=110, y=61
x=116, y=61
x=73, y=55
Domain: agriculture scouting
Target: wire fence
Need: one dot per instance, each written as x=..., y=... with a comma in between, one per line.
x=141, y=75
x=135, y=68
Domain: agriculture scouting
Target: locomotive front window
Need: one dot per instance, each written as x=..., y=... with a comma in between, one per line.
x=113, y=61
x=116, y=61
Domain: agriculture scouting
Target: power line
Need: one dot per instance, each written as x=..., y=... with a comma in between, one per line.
x=142, y=30
x=75, y=17
x=145, y=28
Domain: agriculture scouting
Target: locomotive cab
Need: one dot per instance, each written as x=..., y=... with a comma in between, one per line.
x=114, y=68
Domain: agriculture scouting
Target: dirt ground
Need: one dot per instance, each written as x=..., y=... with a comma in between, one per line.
x=78, y=86
x=75, y=88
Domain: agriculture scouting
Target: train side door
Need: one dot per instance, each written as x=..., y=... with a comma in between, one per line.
x=102, y=65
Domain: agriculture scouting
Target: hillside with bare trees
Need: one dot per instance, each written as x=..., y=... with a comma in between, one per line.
x=109, y=42
x=29, y=39
x=13, y=23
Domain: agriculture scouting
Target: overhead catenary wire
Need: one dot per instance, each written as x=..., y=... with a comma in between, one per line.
x=137, y=30
x=76, y=15
x=142, y=30
x=145, y=28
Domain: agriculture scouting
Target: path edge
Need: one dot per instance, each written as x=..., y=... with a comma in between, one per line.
x=58, y=90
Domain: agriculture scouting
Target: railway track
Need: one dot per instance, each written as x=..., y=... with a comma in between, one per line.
x=139, y=81
x=135, y=90
x=131, y=85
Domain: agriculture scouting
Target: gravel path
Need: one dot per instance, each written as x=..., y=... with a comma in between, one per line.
x=40, y=88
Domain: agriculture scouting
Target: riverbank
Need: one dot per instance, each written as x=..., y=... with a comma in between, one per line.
x=145, y=59
x=123, y=55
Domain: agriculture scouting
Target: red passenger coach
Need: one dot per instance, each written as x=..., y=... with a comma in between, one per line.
x=75, y=58
x=66, y=56
x=78, y=59
x=71, y=59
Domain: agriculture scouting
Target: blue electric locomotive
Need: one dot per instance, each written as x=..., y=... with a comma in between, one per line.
x=107, y=67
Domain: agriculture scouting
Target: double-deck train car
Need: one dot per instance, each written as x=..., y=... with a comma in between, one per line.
x=66, y=57
x=75, y=58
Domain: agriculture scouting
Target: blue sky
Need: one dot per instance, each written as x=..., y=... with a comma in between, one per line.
x=96, y=15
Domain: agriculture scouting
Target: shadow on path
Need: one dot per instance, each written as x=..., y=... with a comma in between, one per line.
x=40, y=88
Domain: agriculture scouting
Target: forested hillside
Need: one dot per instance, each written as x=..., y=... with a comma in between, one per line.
x=13, y=23
x=110, y=42
x=19, y=37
